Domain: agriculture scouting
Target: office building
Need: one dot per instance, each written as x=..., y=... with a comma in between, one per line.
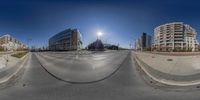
x=69, y=39
x=175, y=36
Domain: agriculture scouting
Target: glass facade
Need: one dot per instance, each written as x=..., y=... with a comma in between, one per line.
x=66, y=40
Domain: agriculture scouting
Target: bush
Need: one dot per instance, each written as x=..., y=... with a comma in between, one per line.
x=1, y=49
x=19, y=55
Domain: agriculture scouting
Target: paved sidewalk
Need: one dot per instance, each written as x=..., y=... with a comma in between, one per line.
x=174, y=65
x=177, y=53
x=7, y=60
x=11, y=69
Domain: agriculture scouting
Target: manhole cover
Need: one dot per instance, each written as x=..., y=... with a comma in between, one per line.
x=198, y=87
x=24, y=85
x=169, y=59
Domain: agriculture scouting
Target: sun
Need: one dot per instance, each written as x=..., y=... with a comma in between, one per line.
x=99, y=34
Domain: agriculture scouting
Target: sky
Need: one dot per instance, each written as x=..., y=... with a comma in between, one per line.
x=120, y=21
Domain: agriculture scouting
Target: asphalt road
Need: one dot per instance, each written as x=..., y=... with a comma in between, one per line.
x=82, y=68
x=125, y=84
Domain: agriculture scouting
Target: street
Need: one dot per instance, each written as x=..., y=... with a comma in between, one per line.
x=125, y=84
x=82, y=68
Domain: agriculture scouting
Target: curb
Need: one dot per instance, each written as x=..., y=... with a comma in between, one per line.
x=8, y=79
x=163, y=80
x=24, y=56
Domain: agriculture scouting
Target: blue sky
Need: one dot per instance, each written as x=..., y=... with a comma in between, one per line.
x=121, y=21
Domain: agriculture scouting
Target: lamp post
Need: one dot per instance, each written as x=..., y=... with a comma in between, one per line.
x=28, y=41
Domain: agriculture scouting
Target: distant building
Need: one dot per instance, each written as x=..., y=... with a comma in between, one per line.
x=143, y=43
x=69, y=39
x=111, y=47
x=97, y=45
x=175, y=36
x=9, y=43
x=138, y=44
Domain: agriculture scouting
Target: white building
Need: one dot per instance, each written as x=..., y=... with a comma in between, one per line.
x=175, y=36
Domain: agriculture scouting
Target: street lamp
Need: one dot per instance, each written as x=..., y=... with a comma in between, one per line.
x=28, y=41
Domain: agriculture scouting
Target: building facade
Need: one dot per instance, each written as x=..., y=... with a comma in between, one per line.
x=175, y=36
x=9, y=43
x=96, y=46
x=143, y=43
x=69, y=39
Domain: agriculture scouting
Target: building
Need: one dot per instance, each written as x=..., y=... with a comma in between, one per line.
x=69, y=39
x=97, y=45
x=138, y=44
x=175, y=36
x=9, y=43
x=111, y=46
x=143, y=43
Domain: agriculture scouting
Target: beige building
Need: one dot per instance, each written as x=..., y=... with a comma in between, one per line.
x=175, y=36
x=9, y=43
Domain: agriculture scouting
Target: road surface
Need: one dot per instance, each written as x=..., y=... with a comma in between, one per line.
x=125, y=84
x=82, y=68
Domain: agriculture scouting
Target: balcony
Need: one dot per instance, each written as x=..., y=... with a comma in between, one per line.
x=175, y=35
x=168, y=41
x=161, y=41
x=168, y=36
x=177, y=45
x=178, y=38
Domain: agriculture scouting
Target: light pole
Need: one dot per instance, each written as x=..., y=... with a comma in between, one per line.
x=28, y=41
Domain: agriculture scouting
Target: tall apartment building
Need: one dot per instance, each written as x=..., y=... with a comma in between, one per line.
x=69, y=39
x=143, y=43
x=9, y=43
x=175, y=36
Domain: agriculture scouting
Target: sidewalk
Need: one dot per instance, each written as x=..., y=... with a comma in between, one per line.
x=171, y=70
x=177, y=53
x=12, y=70
x=7, y=60
x=175, y=65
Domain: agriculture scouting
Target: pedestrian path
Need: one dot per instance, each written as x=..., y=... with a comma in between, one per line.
x=174, y=65
x=7, y=60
